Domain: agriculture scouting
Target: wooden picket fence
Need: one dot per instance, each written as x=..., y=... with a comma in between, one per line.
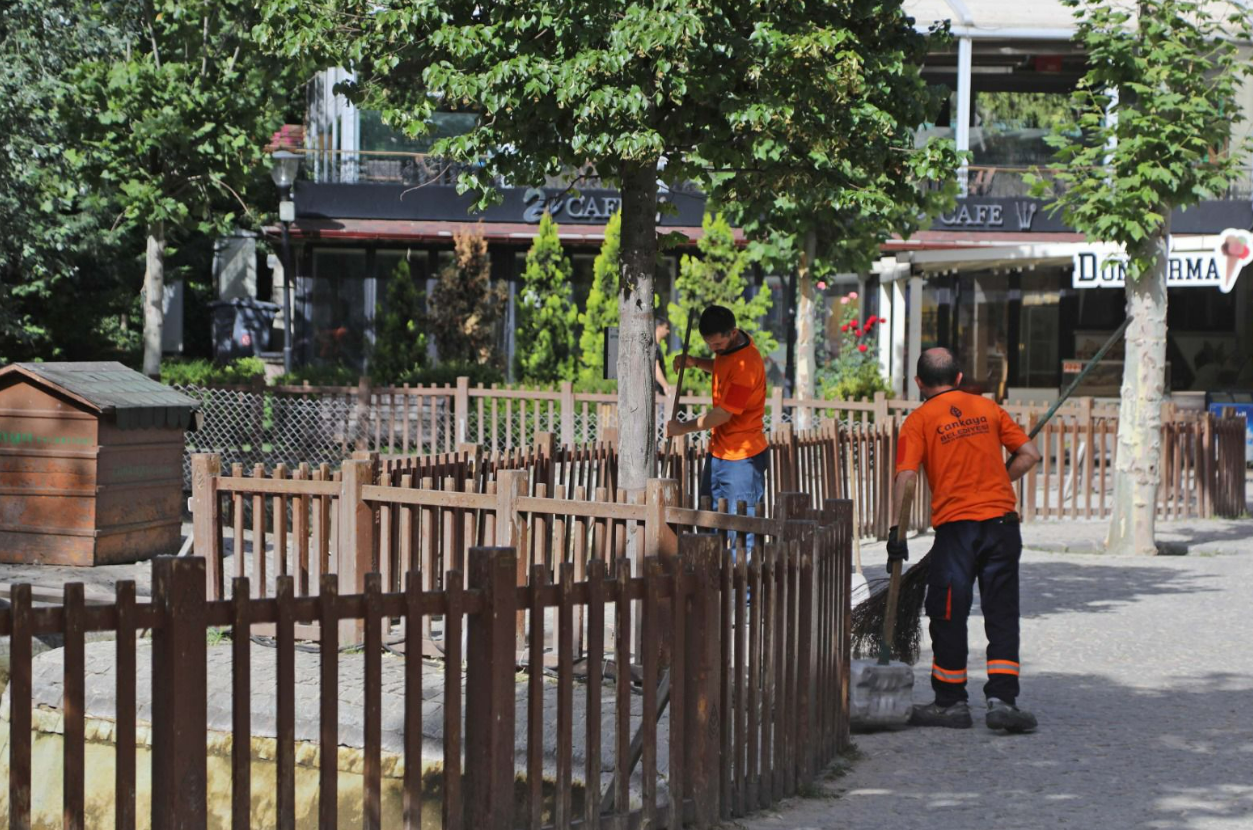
x=756, y=693
x=302, y=518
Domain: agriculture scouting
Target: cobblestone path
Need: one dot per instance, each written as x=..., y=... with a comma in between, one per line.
x=1141, y=673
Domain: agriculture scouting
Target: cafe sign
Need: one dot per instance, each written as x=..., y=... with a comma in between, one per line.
x=1218, y=267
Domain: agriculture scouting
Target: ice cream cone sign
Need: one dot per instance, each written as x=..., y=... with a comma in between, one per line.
x=1236, y=251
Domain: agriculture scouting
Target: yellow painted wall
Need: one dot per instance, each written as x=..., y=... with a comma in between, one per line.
x=99, y=760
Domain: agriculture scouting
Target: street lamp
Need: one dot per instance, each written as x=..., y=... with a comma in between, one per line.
x=285, y=166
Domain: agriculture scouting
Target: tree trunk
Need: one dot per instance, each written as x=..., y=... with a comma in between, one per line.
x=1137, y=470
x=637, y=421
x=806, y=361
x=154, y=299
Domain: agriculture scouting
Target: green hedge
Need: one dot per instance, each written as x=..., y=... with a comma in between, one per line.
x=207, y=373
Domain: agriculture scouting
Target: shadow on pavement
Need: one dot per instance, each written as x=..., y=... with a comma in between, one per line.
x=1067, y=586
x=1107, y=756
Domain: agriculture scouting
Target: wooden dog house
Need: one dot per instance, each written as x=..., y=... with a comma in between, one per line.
x=91, y=464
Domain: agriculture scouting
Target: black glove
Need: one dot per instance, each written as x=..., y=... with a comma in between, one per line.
x=898, y=548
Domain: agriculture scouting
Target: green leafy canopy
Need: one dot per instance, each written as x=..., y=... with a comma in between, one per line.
x=174, y=119
x=1154, y=116
x=719, y=276
x=796, y=94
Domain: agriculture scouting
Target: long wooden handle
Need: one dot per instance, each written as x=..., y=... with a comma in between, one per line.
x=894, y=571
x=1070, y=390
x=678, y=393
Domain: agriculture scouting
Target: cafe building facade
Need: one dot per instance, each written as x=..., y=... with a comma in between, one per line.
x=1021, y=298
x=367, y=198
x=1024, y=302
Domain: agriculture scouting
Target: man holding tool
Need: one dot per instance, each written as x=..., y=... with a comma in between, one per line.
x=958, y=438
x=738, y=457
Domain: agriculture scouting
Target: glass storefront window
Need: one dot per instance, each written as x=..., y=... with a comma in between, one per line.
x=385, y=263
x=937, y=299
x=983, y=330
x=1009, y=128
x=377, y=136
x=338, y=316
x=1039, y=330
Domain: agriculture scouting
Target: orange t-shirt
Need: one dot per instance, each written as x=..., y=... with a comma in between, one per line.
x=739, y=388
x=958, y=438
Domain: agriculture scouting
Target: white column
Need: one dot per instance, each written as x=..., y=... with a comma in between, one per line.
x=915, y=335
x=897, y=324
x=885, y=332
x=349, y=131
x=962, y=137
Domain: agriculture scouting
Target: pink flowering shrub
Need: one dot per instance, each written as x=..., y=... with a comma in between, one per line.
x=853, y=373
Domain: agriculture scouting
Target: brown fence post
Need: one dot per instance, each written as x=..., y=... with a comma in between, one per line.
x=790, y=506
x=701, y=687
x=661, y=540
x=490, y=716
x=880, y=407
x=461, y=410
x=510, y=486
x=545, y=452
x=179, y=705
x=356, y=539
x=567, y=414
x=364, y=393
x=776, y=407
x=804, y=737
x=206, y=518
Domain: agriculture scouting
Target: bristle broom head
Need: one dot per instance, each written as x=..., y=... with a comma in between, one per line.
x=868, y=616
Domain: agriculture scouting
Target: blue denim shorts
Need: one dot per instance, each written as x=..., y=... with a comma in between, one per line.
x=736, y=481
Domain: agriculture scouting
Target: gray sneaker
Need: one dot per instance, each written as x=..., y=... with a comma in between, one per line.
x=954, y=716
x=1002, y=715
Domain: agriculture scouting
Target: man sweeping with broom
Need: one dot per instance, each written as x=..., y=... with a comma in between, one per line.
x=958, y=438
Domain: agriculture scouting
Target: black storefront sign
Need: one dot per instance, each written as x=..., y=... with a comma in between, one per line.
x=436, y=203
x=1023, y=215
x=1000, y=214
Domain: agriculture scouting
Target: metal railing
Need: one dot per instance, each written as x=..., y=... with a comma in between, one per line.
x=994, y=181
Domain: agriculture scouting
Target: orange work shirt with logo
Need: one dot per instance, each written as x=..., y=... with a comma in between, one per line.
x=957, y=437
x=739, y=380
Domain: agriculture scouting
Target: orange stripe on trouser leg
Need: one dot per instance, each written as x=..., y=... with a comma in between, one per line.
x=1003, y=667
x=947, y=675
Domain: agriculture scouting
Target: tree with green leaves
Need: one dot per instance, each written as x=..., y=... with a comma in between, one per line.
x=720, y=276
x=172, y=122
x=1153, y=133
x=58, y=251
x=547, y=319
x=400, y=347
x=601, y=309
x=675, y=92
x=465, y=307
x=859, y=186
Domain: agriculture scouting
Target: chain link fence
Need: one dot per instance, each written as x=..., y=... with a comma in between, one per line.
x=252, y=428
x=262, y=426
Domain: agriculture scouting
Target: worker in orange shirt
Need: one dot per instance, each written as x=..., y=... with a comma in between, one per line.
x=736, y=467
x=959, y=439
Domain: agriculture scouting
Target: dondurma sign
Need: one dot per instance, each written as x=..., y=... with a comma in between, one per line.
x=1106, y=267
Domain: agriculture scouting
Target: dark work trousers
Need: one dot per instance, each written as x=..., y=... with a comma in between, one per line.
x=988, y=550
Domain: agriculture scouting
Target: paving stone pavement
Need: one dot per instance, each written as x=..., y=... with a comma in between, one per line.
x=1141, y=673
